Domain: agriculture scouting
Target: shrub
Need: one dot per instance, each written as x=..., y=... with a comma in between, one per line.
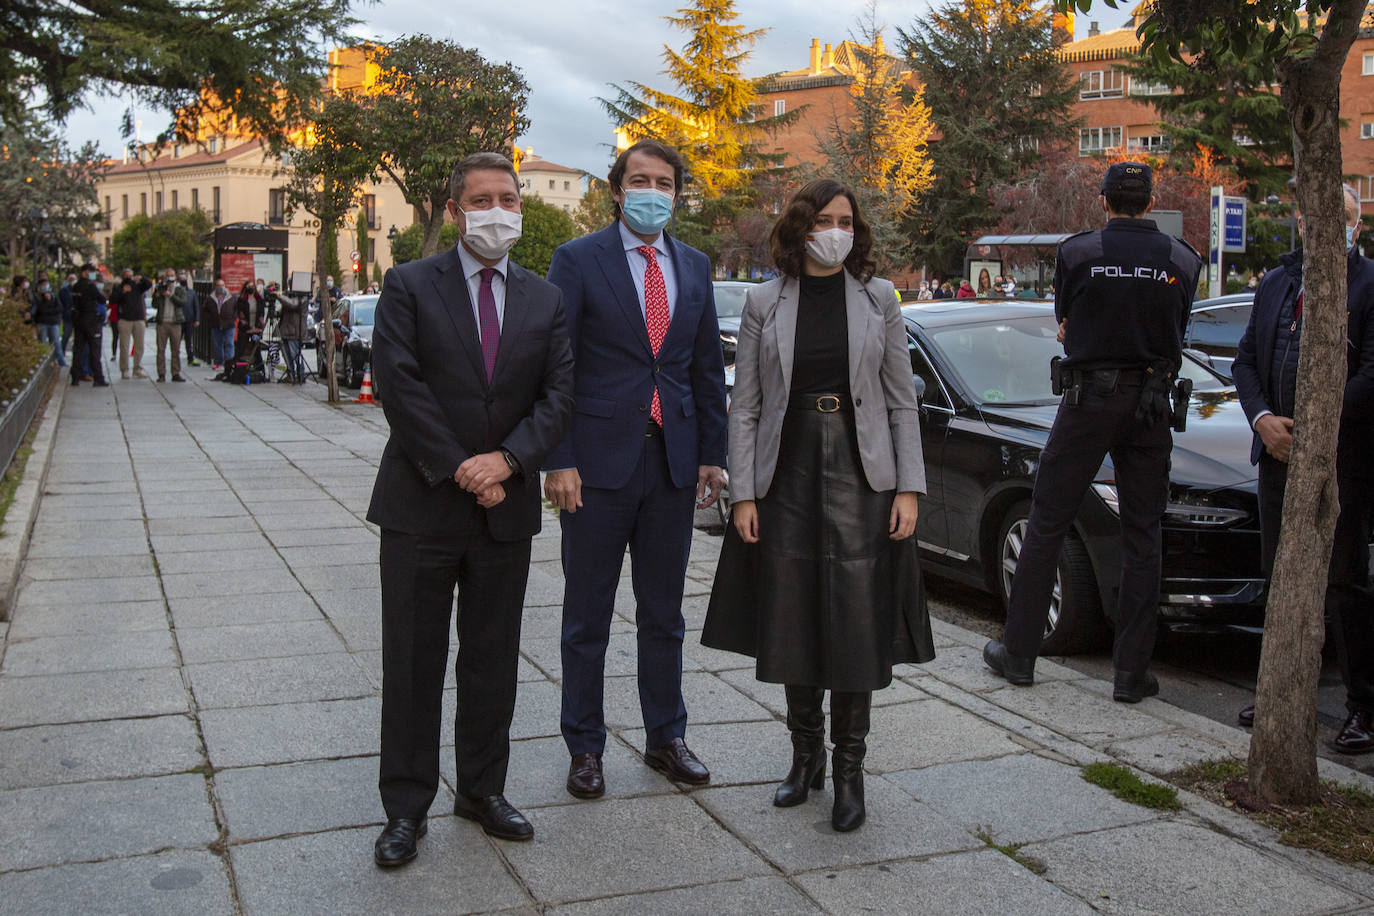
x=20, y=351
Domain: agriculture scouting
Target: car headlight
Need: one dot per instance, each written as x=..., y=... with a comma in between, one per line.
x=1194, y=509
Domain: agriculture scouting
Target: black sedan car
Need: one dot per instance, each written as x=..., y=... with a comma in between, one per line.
x=729, y=295
x=986, y=405
x=1216, y=326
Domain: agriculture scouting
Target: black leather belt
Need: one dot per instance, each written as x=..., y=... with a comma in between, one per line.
x=822, y=403
x=653, y=431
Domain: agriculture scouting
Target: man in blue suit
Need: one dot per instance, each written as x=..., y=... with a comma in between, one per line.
x=647, y=445
x=1266, y=373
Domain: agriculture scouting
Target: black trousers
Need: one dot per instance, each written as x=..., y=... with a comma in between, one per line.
x=418, y=578
x=1103, y=423
x=1349, y=598
x=86, y=339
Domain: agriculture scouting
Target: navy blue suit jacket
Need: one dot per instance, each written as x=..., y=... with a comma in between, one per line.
x=1255, y=352
x=615, y=367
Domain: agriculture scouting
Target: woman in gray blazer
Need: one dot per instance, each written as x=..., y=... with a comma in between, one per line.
x=818, y=578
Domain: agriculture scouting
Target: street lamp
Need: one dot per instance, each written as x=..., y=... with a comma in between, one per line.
x=391, y=235
x=1273, y=202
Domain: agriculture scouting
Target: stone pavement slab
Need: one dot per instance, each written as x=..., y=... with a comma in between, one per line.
x=271, y=801
x=88, y=591
x=1093, y=718
x=801, y=838
x=237, y=585
x=980, y=883
x=281, y=639
x=97, y=567
x=749, y=897
x=539, y=771
x=89, y=652
x=53, y=825
x=458, y=871
x=116, y=749
x=249, y=561
x=265, y=681
x=177, y=883
x=57, y=620
x=1019, y=799
x=268, y=608
x=255, y=735
x=55, y=698
x=647, y=844
x=1176, y=867
x=918, y=734
x=738, y=753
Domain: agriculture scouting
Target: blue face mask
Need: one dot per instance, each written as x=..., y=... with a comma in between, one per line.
x=647, y=210
x=1350, y=236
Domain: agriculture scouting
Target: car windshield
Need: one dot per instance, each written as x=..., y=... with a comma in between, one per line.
x=730, y=301
x=361, y=311
x=1008, y=362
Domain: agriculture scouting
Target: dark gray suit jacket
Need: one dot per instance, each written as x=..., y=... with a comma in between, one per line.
x=427, y=358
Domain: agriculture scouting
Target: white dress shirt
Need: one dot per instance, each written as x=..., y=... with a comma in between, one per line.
x=472, y=272
x=639, y=264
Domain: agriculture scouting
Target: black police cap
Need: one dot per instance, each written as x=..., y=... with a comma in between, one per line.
x=1128, y=176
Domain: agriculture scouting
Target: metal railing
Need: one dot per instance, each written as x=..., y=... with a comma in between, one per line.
x=16, y=417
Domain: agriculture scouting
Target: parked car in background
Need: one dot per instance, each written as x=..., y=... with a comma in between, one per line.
x=1216, y=327
x=729, y=295
x=358, y=316
x=986, y=412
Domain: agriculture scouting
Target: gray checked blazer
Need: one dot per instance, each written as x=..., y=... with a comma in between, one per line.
x=880, y=383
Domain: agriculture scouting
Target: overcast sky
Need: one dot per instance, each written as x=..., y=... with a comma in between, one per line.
x=570, y=52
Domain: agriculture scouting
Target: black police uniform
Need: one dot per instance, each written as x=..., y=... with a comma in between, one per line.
x=1125, y=292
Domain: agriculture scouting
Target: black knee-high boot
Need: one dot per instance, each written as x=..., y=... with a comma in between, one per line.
x=806, y=721
x=848, y=729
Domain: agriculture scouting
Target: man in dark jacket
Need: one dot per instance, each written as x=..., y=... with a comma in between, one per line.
x=192, y=312
x=133, y=319
x=1266, y=374
x=292, y=331
x=64, y=296
x=47, y=316
x=90, y=305
x=219, y=315
x=169, y=304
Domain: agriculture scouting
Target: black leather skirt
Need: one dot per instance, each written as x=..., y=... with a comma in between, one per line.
x=824, y=598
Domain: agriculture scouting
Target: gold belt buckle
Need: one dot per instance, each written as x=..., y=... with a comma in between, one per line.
x=821, y=404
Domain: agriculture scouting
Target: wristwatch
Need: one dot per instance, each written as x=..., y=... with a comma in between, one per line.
x=511, y=463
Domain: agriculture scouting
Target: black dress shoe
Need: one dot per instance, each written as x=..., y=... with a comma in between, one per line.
x=497, y=816
x=1018, y=671
x=397, y=843
x=1246, y=716
x=1357, y=734
x=1132, y=688
x=584, y=776
x=677, y=762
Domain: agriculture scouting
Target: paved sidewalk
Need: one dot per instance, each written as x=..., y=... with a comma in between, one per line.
x=189, y=701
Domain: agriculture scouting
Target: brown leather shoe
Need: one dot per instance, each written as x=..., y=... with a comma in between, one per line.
x=675, y=761
x=1357, y=734
x=584, y=776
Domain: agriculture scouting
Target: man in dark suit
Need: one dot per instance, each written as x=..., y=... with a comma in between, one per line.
x=1266, y=374
x=473, y=353
x=647, y=444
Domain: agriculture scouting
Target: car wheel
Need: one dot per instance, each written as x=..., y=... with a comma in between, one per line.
x=346, y=370
x=1074, y=623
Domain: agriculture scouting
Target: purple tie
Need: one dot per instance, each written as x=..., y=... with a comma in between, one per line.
x=491, y=327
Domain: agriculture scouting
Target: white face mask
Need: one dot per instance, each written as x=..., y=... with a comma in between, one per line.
x=492, y=233
x=829, y=247
x=1350, y=233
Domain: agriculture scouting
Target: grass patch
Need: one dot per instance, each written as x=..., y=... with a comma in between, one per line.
x=1129, y=787
x=1339, y=825
x=1010, y=850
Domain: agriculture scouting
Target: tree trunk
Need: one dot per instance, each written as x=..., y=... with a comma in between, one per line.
x=433, y=223
x=1283, y=751
x=326, y=313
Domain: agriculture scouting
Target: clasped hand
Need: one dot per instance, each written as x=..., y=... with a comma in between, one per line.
x=1277, y=435
x=482, y=475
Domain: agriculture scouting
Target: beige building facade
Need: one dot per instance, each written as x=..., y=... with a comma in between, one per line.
x=234, y=181
x=552, y=183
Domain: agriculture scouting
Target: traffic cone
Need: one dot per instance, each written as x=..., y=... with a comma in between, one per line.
x=365, y=393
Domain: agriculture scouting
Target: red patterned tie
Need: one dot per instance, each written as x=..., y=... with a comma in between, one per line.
x=655, y=314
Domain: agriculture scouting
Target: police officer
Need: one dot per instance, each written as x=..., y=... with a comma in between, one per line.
x=1122, y=297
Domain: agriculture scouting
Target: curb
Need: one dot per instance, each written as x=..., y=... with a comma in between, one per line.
x=15, y=545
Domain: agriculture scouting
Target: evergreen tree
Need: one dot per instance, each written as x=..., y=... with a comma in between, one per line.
x=173, y=238
x=1229, y=105
x=996, y=93
x=879, y=149
x=712, y=121
x=263, y=59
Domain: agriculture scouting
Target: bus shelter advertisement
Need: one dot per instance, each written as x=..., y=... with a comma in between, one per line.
x=239, y=267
